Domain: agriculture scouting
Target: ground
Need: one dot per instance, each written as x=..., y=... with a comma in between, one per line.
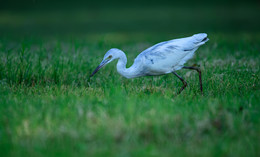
x=50, y=106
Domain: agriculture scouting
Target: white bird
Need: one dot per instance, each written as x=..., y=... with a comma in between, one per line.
x=162, y=58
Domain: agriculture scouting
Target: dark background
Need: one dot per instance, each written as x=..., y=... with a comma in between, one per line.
x=65, y=17
x=69, y=4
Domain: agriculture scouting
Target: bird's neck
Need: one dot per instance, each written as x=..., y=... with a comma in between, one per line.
x=122, y=70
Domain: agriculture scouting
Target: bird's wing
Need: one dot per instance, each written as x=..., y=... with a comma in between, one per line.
x=170, y=55
x=181, y=45
x=161, y=50
x=160, y=58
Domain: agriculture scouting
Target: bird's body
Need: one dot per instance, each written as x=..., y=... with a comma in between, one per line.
x=162, y=58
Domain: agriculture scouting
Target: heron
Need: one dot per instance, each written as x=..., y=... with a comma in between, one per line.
x=163, y=58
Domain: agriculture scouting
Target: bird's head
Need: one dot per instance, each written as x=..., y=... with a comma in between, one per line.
x=111, y=55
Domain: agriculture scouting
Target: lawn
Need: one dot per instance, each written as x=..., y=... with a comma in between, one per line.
x=50, y=107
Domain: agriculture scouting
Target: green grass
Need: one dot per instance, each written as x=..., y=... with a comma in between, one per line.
x=50, y=107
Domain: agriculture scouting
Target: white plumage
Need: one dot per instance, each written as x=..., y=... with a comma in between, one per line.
x=162, y=58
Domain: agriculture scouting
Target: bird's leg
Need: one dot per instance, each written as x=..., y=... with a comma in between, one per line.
x=199, y=71
x=182, y=80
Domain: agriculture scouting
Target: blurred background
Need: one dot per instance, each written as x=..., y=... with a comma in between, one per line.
x=50, y=106
x=169, y=17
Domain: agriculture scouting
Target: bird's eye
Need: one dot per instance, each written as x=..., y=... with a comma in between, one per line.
x=110, y=56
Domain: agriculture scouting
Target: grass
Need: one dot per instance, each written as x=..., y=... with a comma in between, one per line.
x=50, y=106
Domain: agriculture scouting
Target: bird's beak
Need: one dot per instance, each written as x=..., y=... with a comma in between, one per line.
x=104, y=62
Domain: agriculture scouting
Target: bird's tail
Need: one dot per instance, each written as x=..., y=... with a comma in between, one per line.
x=200, y=39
